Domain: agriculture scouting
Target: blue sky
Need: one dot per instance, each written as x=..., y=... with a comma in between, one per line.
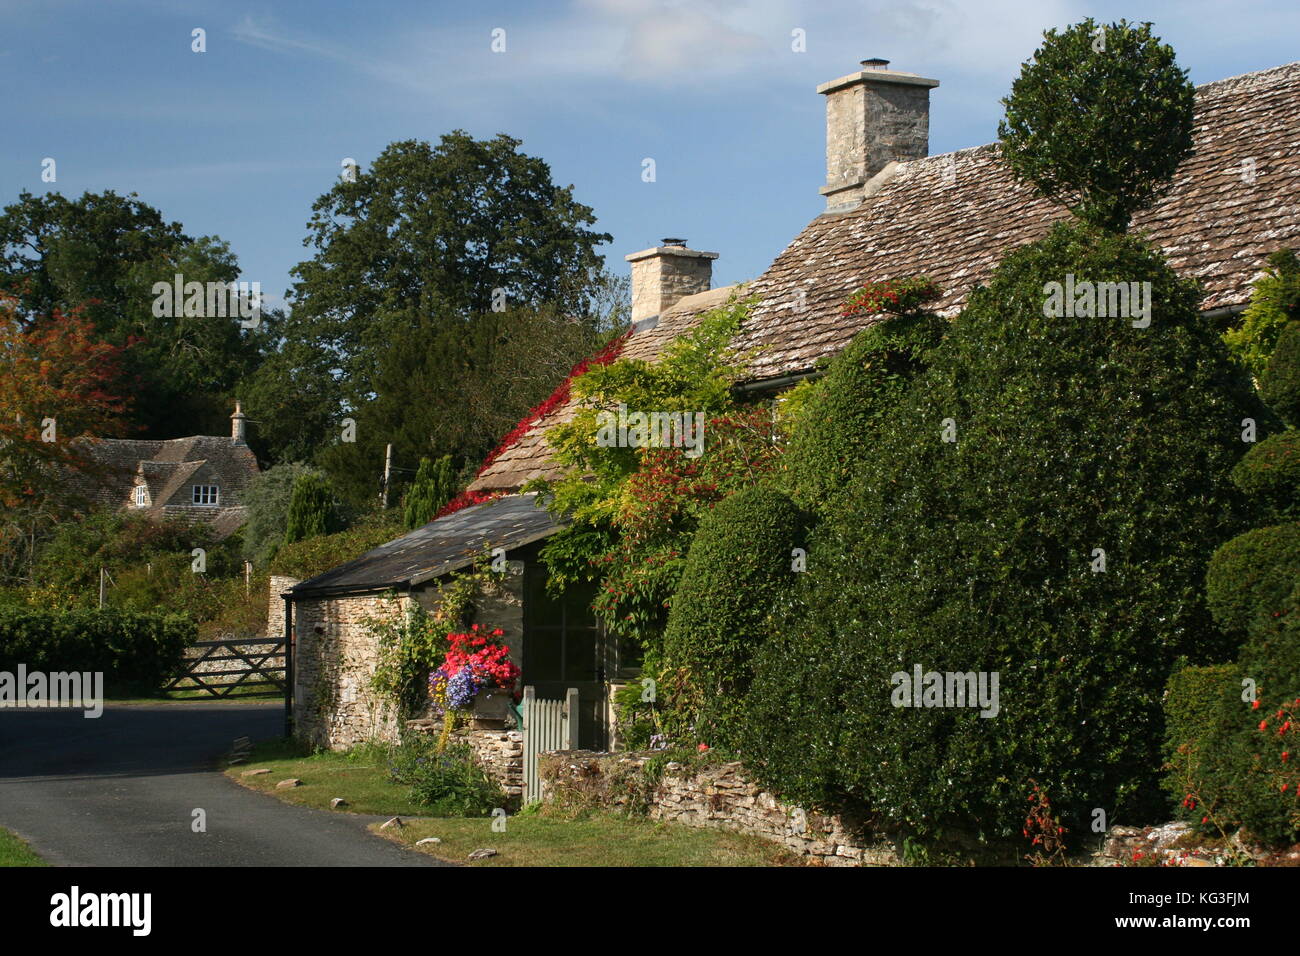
x=240, y=140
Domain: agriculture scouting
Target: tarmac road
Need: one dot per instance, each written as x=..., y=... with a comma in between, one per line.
x=120, y=790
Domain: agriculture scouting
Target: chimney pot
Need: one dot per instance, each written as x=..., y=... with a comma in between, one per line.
x=875, y=63
x=237, y=423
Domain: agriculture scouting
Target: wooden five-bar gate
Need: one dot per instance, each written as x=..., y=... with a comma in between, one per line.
x=251, y=661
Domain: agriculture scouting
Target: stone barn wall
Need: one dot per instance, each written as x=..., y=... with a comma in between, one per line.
x=335, y=656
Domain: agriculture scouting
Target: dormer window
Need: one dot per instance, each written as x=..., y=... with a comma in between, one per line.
x=206, y=494
x=141, y=496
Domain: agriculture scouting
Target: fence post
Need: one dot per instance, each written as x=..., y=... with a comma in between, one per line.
x=572, y=717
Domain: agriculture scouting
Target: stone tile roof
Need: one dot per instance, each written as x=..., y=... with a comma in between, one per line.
x=165, y=465
x=953, y=216
x=529, y=457
x=443, y=545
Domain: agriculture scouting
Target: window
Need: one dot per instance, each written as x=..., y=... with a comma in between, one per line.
x=206, y=494
x=141, y=496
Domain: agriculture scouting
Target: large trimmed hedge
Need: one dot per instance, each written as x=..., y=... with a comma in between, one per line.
x=135, y=652
x=1252, y=574
x=836, y=420
x=740, y=566
x=1073, y=434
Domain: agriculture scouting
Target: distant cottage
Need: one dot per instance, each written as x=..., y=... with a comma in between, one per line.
x=892, y=211
x=200, y=479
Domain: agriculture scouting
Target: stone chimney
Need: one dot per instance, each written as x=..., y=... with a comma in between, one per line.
x=665, y=274
x=237, y=421
x=873, y=117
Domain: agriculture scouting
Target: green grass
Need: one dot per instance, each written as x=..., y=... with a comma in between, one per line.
x=595, y=839
x=531, y=839
x=359, y=776
x=14, y=852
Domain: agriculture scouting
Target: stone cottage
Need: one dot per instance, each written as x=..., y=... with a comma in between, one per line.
x=202, y=478
x=891, y=211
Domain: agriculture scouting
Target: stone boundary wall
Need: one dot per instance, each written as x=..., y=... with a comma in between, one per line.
x=499, y=752
x=717, y=796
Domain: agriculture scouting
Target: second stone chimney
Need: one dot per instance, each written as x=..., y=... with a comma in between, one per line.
x=237, y=423
x=666, y=273
x=873, y=117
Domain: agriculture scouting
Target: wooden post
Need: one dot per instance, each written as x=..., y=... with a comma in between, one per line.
x=101, y=588
x=572, y=715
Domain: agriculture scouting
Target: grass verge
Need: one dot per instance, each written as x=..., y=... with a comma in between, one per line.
x=14, y=852
x=594, y=839
x=531, y=838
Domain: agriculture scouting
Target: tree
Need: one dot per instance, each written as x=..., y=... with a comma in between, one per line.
x=55, y=386
x=1274, y=308
x=434, y=486
x=451, y=287
x=103, y=253
x=269, y=499
x=312, y=511
x=1099, y=120
x=466, y=226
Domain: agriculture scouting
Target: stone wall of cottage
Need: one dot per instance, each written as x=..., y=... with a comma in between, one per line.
x=715, y=796
x=336, y=654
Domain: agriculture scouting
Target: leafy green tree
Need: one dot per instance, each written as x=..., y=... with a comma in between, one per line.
x=451, y=287
x=1099, y=120
x=269, y=498
x=107, y=251
x=312, y=510
x=434, y=486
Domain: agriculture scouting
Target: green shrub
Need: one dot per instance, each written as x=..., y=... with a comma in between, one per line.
x=1251, y=575
x=312, y=509
x=836, y=417
x=450, y=783
x=135, y=652
x=1248, y=774
x=313, y=556
x=741, y=564
x=1099, y=120
x=1270, y=474
x=1194, y=698
x=1279, y=384
x=268, y=500
x=1274, y=305
x=980, y=555
x=434, y=486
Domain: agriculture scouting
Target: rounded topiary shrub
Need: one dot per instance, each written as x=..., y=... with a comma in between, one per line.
x=1039, y=509
x=1270, y=474
x=1252, y=575
x=1248, y=775
x=835, y=421
x=740, y=567
x=1279, y=386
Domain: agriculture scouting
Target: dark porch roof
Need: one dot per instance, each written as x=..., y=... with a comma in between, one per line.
x=440, y=547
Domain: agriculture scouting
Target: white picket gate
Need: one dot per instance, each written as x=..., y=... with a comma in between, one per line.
x=548, y=725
